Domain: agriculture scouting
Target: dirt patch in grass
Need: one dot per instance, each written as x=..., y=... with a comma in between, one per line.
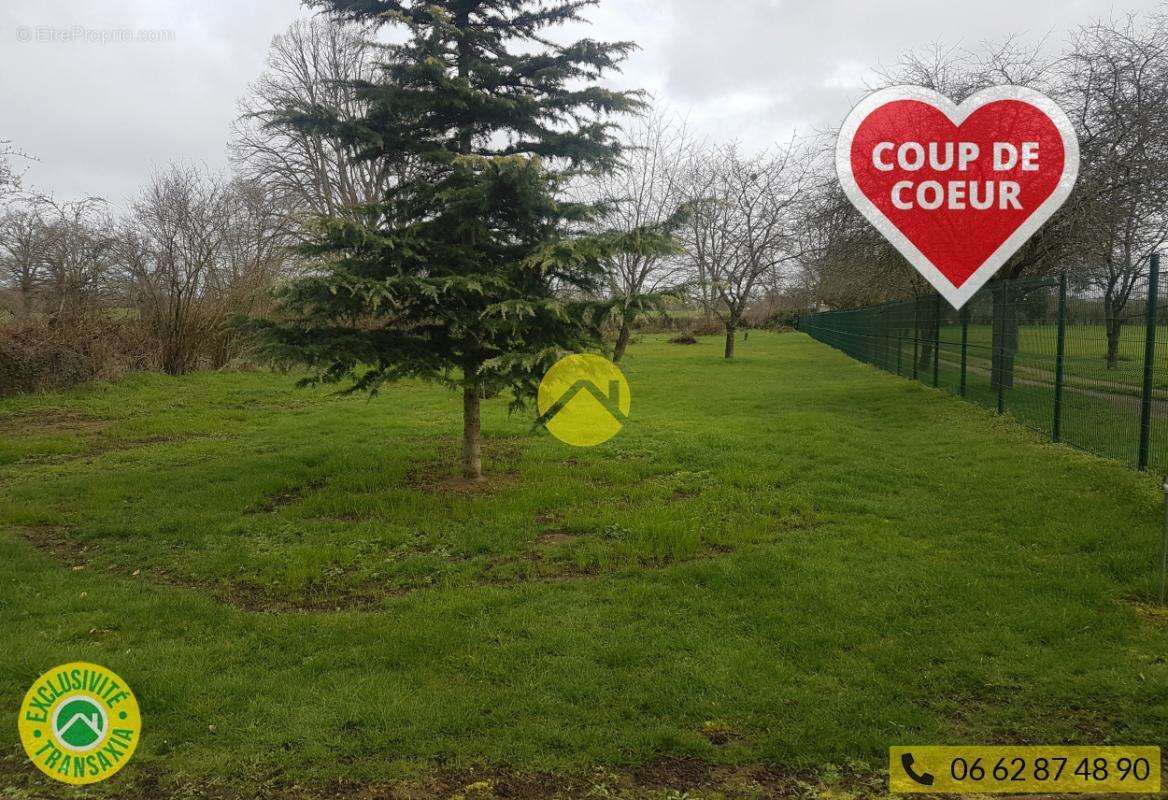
x=101, y=445
x=443, y=474
x=555, y=537
x=969, y=713
x=661, y=779
x=56, y=542
x=457, y=484
x=1149, y=612
x=287, y=498
x=340, y=592
x=720, y=733
x=317, y=598
x=533, y=567
x=52, y=422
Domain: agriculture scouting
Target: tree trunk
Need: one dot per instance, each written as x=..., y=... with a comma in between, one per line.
x=1113, y=307
x=622, y=343
x=1114, y=329
x=928, y=336
x=26, y=291
x=1005, y=338
x=731, y=333
x=472, y=445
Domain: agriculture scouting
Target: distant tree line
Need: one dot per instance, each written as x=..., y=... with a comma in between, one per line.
x=702, y=232
x=772, y=234
x=91, y=293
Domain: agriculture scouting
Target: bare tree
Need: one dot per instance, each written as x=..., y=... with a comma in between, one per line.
x=743, y=223
x=1115, y=86
x=23, y=245
x=8, y=178
x=11, y=186
x=78, y=255
x=312, y=65
x=846, y=262
x=197, y=250
x=256, y=252
x=958, y=72
x=171, y=245
x=646, y=193
x=57, y=252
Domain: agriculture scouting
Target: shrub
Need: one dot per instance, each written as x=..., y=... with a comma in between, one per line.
x=682, y=323
x=44, y=353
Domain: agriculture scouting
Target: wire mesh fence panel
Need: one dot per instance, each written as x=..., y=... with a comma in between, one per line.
x=1081, y=358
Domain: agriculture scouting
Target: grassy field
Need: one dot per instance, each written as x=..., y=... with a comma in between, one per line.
x=1101, y=410
x=1086, y=352
x=781, y=567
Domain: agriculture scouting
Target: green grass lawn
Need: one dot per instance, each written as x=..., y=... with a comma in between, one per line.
x=1086, y=353
x=1101, y=410
x=786, y=563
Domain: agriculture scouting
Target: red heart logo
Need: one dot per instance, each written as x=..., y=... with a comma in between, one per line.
x=957, y=189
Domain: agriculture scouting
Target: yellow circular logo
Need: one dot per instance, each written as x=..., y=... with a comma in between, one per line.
x=79, y=723
x=584, y=400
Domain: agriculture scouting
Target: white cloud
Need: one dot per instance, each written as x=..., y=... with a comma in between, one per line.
x=100, y=116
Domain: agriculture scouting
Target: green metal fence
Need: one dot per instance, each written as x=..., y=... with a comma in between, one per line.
x=1060, y=354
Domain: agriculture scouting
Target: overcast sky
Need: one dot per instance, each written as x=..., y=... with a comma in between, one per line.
x=100, y=114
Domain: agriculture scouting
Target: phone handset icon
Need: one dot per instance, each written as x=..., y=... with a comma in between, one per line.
x=923, y=779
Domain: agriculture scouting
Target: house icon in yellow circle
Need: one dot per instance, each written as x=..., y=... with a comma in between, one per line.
x=584, y=400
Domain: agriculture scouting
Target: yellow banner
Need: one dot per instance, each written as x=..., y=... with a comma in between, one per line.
x=1007, y=769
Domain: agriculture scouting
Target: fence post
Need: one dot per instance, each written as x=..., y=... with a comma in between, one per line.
x=1056, y=431
x=1005, y=339
x=916, y=337
x=937, y=342
x=899, y=350
x=1001, y=312
x=1149, y=362
x=874, y=342
x=964, y=347
x=886, y=336
x=888, y=323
